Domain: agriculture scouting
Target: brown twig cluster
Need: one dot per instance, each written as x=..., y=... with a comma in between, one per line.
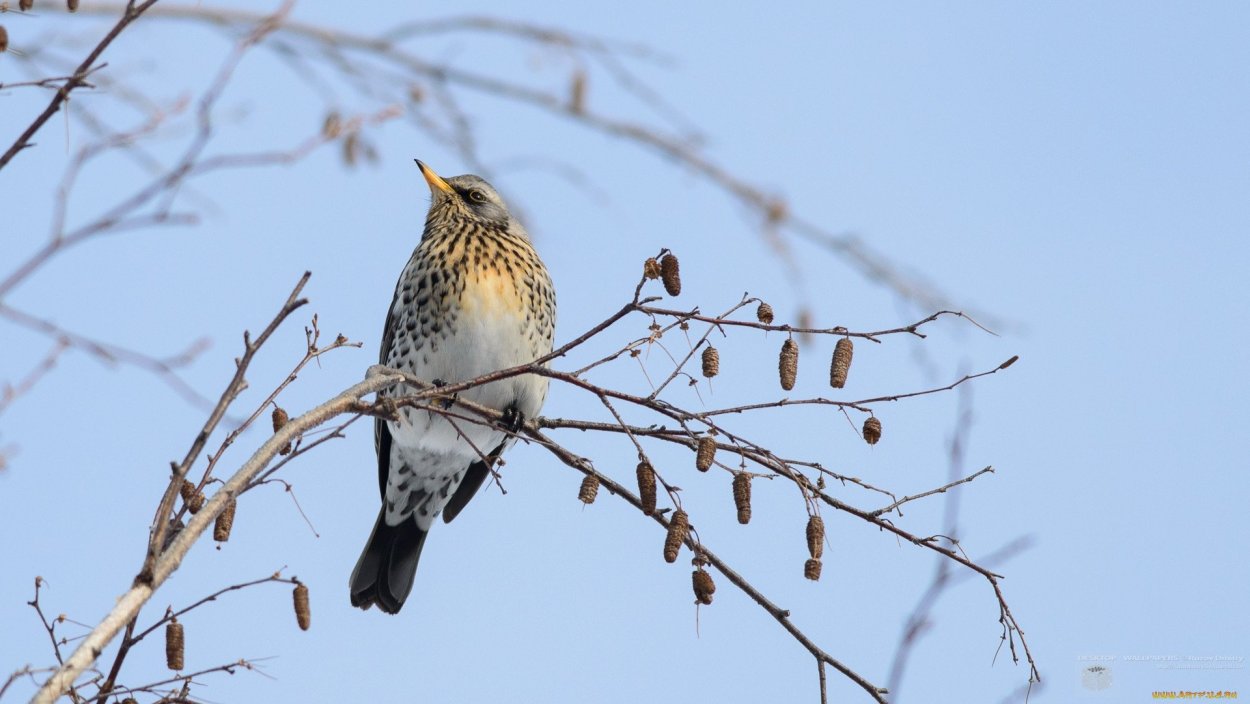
x=690, y=429
x=392, y=67
x=149, y=204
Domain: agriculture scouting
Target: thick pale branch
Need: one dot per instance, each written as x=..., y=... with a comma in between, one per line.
x=133, y=600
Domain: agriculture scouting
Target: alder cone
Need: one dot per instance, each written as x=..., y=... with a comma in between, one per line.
x=175, y=645
x=872, y=430
x=651, y=268
x=704, y=587
x=706, y=453
x=815, y=536
x=589, y=489
x=646, y=487
x=841, y=365
x=711, y=362
x=764, y=313
x=224, y=522
x=788, y=364
x=742, y=497
x=670, y=274
x=678, y=529
x=303, y=616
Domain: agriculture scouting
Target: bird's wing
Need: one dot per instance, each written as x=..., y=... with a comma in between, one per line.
x=473, y=478
x=382, y=440
x=381, y=432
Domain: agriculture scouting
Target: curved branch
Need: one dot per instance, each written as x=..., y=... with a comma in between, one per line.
x=132, y=601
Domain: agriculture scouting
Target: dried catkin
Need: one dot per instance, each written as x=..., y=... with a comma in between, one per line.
x=225, y=521
x=72, y=5
x=872, y=430
x=811, y=569
x=646, y=487
x=4, y=39
x=706, y=453
x=788, y=364
x=816, y=536
x=704, y=587
x=764, y=313
x=678, y=529
x=711, y=362
x=651, y=268
x=280, y=419
x=25, y=5
x=175, y=645
x=303, y=616
x=670, y=272
x=589, y=489
x=742, y=497
x=193, y=499
x=332, y=125
x=842, y=353
x=577, y=93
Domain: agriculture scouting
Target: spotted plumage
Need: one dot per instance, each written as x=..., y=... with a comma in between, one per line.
x=473, y=299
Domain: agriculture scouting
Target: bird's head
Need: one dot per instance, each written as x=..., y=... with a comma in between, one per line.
x=468, y=197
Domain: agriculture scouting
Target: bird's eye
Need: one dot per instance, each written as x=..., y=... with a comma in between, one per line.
x=477, y=196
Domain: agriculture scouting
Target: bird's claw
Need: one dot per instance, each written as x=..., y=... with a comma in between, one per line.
x=512, y=419
x=444, y=402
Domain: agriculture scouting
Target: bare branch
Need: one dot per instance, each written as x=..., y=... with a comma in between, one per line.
x=131, y=12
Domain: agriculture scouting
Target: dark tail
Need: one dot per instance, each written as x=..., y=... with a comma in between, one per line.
x=385, y=571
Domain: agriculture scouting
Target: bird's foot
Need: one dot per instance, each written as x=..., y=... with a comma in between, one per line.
x=387, y=408
x=512, y=420
x=444, y=402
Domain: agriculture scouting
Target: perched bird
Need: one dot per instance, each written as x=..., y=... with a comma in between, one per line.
x=473, y=299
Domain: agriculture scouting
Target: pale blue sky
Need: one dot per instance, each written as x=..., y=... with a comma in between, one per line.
x=1078, y=170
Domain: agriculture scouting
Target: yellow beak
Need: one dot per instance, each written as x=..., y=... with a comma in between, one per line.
x=436, y=182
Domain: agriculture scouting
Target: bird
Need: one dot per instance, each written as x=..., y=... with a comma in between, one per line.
x=474, y=298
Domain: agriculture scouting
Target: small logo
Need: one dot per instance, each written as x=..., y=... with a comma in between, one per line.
x=1096, y=677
